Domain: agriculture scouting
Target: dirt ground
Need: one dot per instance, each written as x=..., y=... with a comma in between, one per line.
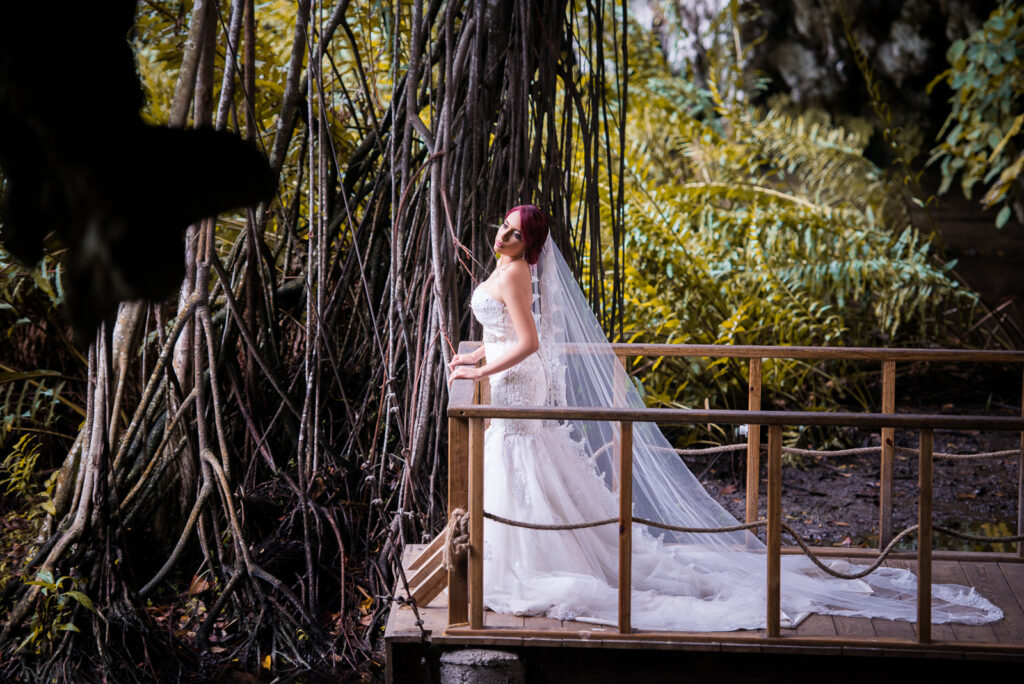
x=833, y=501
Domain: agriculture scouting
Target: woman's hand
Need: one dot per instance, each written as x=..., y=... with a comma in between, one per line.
x=461, y=360
x=471, y=373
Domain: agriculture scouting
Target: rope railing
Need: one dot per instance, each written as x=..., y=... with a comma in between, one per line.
x=963, y=457
x=882, y=555
x=457, y=545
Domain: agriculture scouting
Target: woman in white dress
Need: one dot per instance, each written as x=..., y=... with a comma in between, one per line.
x=543, y=346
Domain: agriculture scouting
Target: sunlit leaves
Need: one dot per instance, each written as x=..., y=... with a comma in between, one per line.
x=751, y=227
x=53, y=610
x=982, y=133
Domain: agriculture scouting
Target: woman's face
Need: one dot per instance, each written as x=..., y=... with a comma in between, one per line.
x=509, y=240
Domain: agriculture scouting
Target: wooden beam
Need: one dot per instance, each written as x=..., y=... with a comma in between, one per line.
x=937, y=554
x=466, y=392
x=427, y=574
x=924, y=539
x=476, y=523
x=431, y=587
x=739, y=351
x=888, y=436
x=458, y=497
x=625, y=526
x=753, y=442
x=427, y=562
x=774, y=541
x=741, y=417
x=572, y=637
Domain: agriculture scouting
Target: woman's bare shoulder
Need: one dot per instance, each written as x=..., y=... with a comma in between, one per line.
x=515, y=275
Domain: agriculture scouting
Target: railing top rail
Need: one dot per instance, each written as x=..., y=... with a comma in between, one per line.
x=738, y=351
x=739, y=417
x=823, y=353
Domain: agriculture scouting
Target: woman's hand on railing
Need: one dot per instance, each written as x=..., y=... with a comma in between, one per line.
x=471, y=372
x=463, y=359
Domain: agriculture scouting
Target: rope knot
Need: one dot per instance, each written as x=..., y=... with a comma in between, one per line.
x=456, y=538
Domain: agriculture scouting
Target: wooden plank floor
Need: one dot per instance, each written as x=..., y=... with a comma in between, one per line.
x=1000, y=582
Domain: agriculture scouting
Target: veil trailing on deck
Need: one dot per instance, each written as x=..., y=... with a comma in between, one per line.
x=721, y=576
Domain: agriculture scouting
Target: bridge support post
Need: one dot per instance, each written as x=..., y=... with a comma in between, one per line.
x=458, y=493
x=476, y=523
x=774, y=536
x=885, y=474
x=924, y=539
x=458, y=497
x=625, y=526
x=753, y=442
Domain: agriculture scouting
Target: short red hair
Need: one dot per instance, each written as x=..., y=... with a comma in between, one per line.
x=533, y=223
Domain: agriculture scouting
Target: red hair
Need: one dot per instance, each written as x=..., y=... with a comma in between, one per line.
x=533, y=223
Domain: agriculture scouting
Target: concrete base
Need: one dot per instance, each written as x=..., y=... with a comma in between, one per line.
x=481, y=666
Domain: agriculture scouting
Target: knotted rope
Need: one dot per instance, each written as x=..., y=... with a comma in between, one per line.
x=883, y=554
x=542, y=526
x=456, y=539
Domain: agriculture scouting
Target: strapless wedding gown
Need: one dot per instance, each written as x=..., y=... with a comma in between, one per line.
x=536, y=471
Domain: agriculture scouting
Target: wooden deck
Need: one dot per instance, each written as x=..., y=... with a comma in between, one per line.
x=825, y=637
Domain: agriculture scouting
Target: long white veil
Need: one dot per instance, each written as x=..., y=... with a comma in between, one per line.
x=582, y=370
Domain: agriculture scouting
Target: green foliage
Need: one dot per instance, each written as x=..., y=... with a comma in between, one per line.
x=982, y=133
x=29, y=301
x=28, y=400
x=57, y=597
x=17, y=282
x=19, y=479
x=53, y=610
x=29, y=297
x=18, y=466
x=762, y=227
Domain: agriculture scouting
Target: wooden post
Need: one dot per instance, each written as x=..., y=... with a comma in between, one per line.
x=773, y=550
x=754, y=443
x=625, y=525
x=619, y=397
x=476, y=523
x=483, y=394
x=888, y=450
x=924, y=539
x=458, y=497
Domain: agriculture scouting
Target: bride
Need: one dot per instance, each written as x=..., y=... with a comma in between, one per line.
x=543, y=346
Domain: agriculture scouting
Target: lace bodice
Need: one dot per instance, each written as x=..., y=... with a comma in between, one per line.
x=523, y=384
x=493, y=316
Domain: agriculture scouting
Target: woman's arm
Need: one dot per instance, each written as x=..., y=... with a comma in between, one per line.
x=515, y=287
x=471, y=358
x=516, y=290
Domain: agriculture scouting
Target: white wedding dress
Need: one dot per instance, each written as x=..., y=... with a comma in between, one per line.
x=560, y=472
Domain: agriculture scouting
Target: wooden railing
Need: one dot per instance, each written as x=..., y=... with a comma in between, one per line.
x=465, y=460
x=888, y=358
